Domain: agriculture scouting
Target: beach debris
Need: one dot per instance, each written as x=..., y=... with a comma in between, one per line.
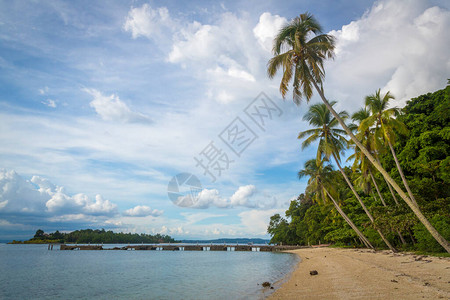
x=426, y=283
x=393, y=280
x=313, y=272
x=271, y=287
x=266, y=284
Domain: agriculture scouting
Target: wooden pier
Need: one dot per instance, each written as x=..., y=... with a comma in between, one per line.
x=186, y=247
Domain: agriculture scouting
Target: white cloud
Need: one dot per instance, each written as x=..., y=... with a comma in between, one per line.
x=207, y=198
x=225, y=55
x=267, y=28
x=41, y=197
x=401, y=46
x=142, y=211
x=49, y=103
x=111, y=108
x=146, y=21
x=204, y=199
x=242, y=195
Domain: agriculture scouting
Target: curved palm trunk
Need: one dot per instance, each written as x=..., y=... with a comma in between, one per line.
x=376, y=187
x=439, y=238
x=384, y=204
x=405, y=183
x=389, y=186
x=392, y=193
x=349, y=222
x=363, y=205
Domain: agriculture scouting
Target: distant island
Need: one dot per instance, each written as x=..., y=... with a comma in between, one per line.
x=96, y=236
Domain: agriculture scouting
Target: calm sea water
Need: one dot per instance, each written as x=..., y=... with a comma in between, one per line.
x=33, y=272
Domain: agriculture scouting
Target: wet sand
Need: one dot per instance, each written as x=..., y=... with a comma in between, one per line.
x=365, y=274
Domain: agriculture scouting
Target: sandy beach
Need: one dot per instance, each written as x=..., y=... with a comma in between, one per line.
x=365, y=274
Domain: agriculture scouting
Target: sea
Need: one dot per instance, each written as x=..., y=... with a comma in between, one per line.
x=34, y=272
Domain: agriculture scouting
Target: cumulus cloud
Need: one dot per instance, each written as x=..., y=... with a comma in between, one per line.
x=401, y=46
x=146, y=21
x=242, y=195
x=225, y=55
x=267, y=28
x=39, y=196
x=111, y=108
x=142, y=211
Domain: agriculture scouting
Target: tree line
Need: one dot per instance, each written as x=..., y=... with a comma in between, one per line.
x=98, y=236
x=396, y=194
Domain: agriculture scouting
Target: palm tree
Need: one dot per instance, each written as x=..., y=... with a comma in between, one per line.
x=318, y=178
x=370, y=141
x=331, y=143
x=306, y=49
x=385, y=124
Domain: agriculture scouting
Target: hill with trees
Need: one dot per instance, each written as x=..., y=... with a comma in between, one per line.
x=96, y=236
x=420, y=138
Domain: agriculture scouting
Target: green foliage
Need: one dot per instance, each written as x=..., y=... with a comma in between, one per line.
x=424, y=156
x=97, y=236
x=425, y=242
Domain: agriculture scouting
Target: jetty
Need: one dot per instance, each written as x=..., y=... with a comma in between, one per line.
x=186, y=247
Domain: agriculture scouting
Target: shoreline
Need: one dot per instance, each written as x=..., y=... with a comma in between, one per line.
x=365, y=274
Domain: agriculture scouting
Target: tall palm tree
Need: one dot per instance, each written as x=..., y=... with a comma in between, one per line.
x=386, y=125
x=368, y=138
x=300, y=49
x=318, y=178
x=331, y=143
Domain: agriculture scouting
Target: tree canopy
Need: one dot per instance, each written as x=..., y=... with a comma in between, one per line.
x=424, y=157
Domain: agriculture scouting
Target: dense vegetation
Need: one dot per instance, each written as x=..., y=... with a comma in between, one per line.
x=299, y=51
x=420, y=134
x=97, y=236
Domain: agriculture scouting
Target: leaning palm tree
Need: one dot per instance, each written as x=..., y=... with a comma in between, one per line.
x=300, y=49
x=331, y=143
x=386, y=125
x=368, y=138
x=318, y=179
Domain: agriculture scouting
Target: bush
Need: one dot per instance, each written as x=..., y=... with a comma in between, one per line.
x=425, y=241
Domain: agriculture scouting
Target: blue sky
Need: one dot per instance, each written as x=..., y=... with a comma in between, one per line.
x=102, y=103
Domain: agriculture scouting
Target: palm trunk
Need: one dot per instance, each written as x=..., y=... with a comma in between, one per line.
x=363, y=205
x=439, y=238
x=384, y=204
x=347, y=219
x=389, y=186
x=376, y=187
x=405, y=183
x=393, y=194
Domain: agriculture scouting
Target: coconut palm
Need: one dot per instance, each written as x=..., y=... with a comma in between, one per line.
x=386, y=125
x=318, y=178
x=331, y=143
x=300, y=49
x=370, y=141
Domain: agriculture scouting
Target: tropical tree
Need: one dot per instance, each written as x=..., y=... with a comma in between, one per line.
x=331, y=143
x=372, y=143
x=368, y=138
x=300, y=49
x=317, y=184
x=384, y=121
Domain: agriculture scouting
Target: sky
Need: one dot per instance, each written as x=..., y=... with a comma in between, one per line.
x=113, y=114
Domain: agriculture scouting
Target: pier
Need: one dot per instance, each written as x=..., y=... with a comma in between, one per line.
x=186, y=247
